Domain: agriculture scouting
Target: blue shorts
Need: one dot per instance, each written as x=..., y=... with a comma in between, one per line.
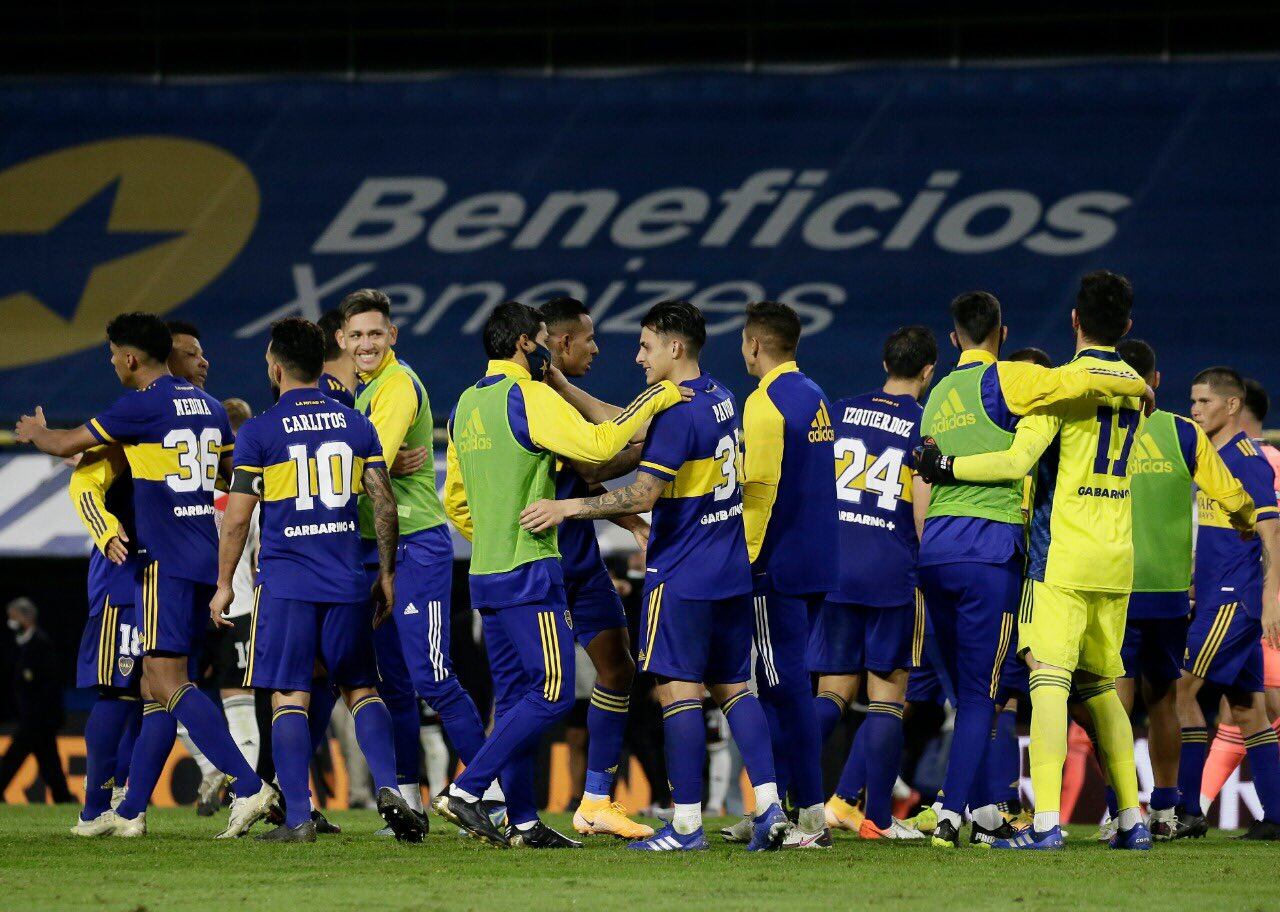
x=848, y=639
x=700, y=640
x=1155, y=648
x=289, y=635
x=174, y=612
x=1224, y=645
x=924, y=684
x=110, y=649
x=972, y=608
x=782, y=637
x=594, y=605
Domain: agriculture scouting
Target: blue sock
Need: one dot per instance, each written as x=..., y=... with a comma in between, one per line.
x=150, y=753
x=323, y=698
x=128, y=738
x=517, y=786
x=458, y=717
x=831, y=708
x=779, y=747
x=376, y=736
x=1113, y=807
x=1195, y=745
x=291, y=752
x=403, y=707
x=107, y=719
x=883, y=746
x=1005, y=763
x=208, y=729
x=968, y=744
x=798, y=721
x=1264, y=759
x=606, y=725
x=1163, y=798
x=684, y=731
x=853, y=777
x=751, y=734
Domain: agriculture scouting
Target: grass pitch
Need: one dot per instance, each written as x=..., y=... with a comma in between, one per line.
x=179, y=867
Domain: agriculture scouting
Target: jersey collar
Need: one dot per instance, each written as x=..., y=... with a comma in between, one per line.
x=388, y=359
x=786, y=367
x=975, y=356
x=1101, y=352
x=502, y=367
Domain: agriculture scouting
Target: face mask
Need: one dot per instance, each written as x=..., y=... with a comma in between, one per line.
x=15, y=626
x=539, y=360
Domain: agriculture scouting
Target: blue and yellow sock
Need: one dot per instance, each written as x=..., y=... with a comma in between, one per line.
x=684, y=732
x=1264, y=759
x=1163, y=798
x=458, y=717
x=156, y=735
x=377, y=739
x=324, y=696
x=751, y=733
x=291, y=751
x=883, y=748
x=128, y=738
x=853, y=776
x=208, y=729
x=102, y=731
x=1195, y=747
x=830, y=708
x=606, y=725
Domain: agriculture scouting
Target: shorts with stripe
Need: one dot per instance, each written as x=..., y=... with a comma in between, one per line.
x=1074, y=628
x=172, y=612
x=424, y=594
x=849, y=639
x=288, y=635
x=531, y=652
x=700, y=640
x=110, y=649
x=782, y=638
x=1224, y=646
x=972, y=609
x=595, y=606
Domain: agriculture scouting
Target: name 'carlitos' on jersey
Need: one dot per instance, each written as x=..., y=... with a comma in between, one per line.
x=173, y=436
x=310, y=453
x=876, y=434
x=696, y=543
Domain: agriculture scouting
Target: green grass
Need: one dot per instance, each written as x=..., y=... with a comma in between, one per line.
x=179, y=867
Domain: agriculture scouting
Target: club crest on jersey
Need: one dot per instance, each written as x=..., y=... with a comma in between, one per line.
x=820, y=430
x=125, y=664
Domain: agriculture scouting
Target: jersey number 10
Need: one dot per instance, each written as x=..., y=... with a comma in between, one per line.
x=328, y=475
x=1128, y=421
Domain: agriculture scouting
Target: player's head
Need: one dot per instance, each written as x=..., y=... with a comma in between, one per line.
x=1103, y=305
x=238, y=412
x=571, y=336
x=910, y=353
x=672, y=333
x=1217, y=397
x=1032, y=355
x=515, y=332
x=22, y=614
x=295, y=354
x=186, y=358
x=769, y=337
x=367, y=330
x=330, y=324
x=1142, y=358
x=976, y=317
x=140, y=344
x=1256, y=405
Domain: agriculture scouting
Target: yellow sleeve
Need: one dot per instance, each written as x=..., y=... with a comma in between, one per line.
x=455, y=495
x=88, y=490
x=392, y=409
x=555, y=425
x=1032, y=438
x=1214, y=478
x=1030, y=388
x=762, y=439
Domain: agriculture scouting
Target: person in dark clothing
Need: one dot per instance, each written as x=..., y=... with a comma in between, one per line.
x=38, y=691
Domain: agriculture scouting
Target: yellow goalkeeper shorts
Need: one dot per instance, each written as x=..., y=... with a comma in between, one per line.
x=1074, y=628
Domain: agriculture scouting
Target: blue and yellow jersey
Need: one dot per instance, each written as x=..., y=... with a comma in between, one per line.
x=697, y=544
x=336, y=390
x=576, y=539
x=1227, y=568
x=876, y=435
x=311, y=453
x=102, y=491
x=173, y=436
x=788, y=494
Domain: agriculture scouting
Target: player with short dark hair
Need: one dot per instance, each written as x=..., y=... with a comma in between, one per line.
x=339, y=377
x=1033, y=355
x=186, y=358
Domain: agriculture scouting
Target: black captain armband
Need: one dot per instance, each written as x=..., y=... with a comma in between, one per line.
x=244, y=481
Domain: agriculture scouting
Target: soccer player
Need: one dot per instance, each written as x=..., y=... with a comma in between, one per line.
x=186, y=359
x=1169, y=456
x=1081, y=556
x=339, y=377
x=972, y=549
x=599, y=622
x=413, y=651
x=873, y=623
x=697, y=619
x=110, y=648
x=176, y=438
x=306, y=458
x=1237, y=588
x=505, y=436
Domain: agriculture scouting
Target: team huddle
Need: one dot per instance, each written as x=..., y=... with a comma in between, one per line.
x=1025, y=534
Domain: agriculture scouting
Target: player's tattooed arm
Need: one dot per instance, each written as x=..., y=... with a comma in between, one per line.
x=386, y=526
x=231, y=540
x=637, y=497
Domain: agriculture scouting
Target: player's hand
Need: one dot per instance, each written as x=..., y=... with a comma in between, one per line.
x=1271, y=621
x=384, y=597
x=1148, y=401
x=30, y=425
x=932, y=464
x=686, y=394
x=220, y=605
x=115, y=550
x=641, y=534
x=542, y=515
x=408, y=460
x=555, y=378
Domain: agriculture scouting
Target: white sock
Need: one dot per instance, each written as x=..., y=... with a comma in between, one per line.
x=526, y=826
x=988, y=816
x=937, y=808
x=457, y=793
x=766, y=796
x=1205, y=803
x=687, y=819
x=242, y=722
x=493, y=793
x=412, y=793
x=956, y=820
x=437, y=757
x=206, y=768
x=1044, y=821
x=1129, y=818
x=813, y=819
x=901, y=790
x=596, y=799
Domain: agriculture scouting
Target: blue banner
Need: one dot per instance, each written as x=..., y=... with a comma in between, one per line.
x=866, y=199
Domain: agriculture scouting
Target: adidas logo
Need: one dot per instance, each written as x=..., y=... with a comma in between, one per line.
x=820, y=428
x=1147, y=458
x=472, y=437
x=952, y=414
x=410, y=609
